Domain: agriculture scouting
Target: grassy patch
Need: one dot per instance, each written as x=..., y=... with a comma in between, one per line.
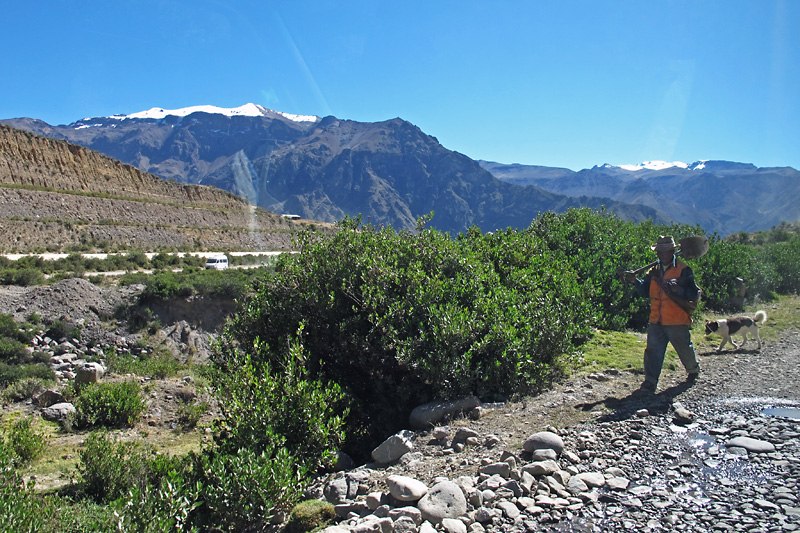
x=624, y=350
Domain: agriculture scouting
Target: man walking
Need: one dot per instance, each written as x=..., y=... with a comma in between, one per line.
x=673, y=296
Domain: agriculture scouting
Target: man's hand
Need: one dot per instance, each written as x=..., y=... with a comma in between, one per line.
x=670, y=285
x=630, y=277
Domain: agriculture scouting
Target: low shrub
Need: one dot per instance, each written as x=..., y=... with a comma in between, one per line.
x=160, y=507
x=24, y=389
x=189, y=414
x=242, y=488
x=10, y=373
x=397, y=320
x=310, y=515
x=63, y=329
x=110, y=468
x=158, y=365
x=26, y=443
x=111, y=404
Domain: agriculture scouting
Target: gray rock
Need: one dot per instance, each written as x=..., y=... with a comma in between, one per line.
x=541, y=468
x=58, y=412
x=48, y=398
x=751, y=445
x=443, y=500
x=429, y=414
x=452, y=525
x=544, y=440
x=393, y=448
x=592, y=479
x=88, y=373
x=501, y=469
x=406, y=489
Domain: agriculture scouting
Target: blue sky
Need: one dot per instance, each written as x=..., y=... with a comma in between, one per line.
x=557, y=83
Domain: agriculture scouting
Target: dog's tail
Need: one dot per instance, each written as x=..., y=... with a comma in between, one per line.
x=762, y=315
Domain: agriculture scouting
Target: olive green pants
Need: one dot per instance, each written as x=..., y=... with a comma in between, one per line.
x=657, y=338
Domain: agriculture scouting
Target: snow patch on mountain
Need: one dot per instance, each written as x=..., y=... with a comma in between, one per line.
x=247, y=110
x=654, y=165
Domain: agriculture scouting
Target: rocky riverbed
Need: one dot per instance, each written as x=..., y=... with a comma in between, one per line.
x=721, y=454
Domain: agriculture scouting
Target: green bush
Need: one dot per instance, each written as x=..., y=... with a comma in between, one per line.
x=23, y=277
x=110, y=468
x=159, y=508
x=12, y=350
x=26, y=443
x=398, y=319
x=265, y=405
x=63, y=329
x=25, y=389
x=112, y=404
x=10, y=373
x=784, y=257
x=189, y=414
x=310, y=515
x=22, y=511
x=158, y=365
x=241, y=489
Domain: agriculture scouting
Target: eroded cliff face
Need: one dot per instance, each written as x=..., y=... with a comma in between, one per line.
x=56, y=195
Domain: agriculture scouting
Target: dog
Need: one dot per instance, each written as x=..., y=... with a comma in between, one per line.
x=741, y=325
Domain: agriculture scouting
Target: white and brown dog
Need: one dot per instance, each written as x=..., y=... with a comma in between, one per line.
x=741, y=325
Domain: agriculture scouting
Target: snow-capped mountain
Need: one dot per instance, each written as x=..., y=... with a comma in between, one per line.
x=247, y=110
x=392, y=173
x=389, y=172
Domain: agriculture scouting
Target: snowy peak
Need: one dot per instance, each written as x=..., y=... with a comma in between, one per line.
x=247, y=110
x=657, y=165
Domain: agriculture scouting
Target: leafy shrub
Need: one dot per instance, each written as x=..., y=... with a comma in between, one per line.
x=26, y=443
x=158, y=365
x=157, y=508
x=110, y=468
x=784, y=257
x=265, y=405
x=727, y=261
x=189, y=414
x=24, y=389
x=10, y=373
x=24, y=277
x=398, y=319
x=62, y=329
x=310, y=515
x=241, y=488
x=109, y=404
x=21, y=509
x=11, y=350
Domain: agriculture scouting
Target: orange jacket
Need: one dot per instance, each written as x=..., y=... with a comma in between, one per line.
x=663, y=310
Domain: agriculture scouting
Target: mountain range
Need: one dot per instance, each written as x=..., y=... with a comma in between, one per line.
x=719, y=196
x=392, y=173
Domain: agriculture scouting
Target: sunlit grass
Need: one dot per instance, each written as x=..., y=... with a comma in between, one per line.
x=624, y=350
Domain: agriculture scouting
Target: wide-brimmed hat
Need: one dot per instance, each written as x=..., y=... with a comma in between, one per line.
x=665, y=242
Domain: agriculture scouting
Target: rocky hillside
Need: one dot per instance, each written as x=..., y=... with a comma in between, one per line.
x=59, y=196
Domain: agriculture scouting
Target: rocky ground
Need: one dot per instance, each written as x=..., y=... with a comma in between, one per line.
x=655, y=462
x=652, y=462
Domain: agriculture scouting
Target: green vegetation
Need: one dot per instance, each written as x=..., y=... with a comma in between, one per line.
x=310, y=515
x=333, y=347
x=34, y=270
x=113, y=404
x=25, y=441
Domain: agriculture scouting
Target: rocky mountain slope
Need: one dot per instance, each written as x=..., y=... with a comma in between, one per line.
x=389, y=172
x=55, y=195
x=720, y=196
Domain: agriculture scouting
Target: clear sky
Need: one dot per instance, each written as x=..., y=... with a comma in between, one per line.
x=557, y=83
